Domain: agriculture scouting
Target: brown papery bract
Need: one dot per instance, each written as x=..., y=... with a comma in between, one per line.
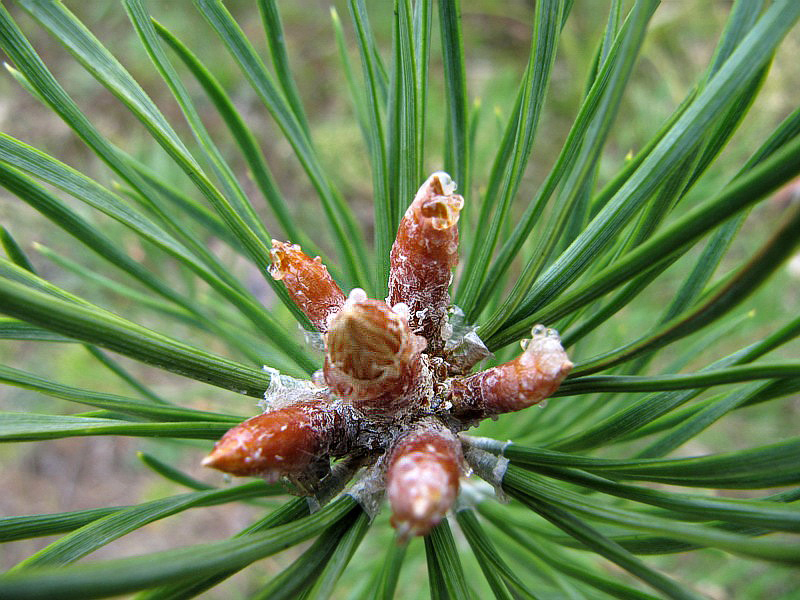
x=422, y=479
x=423, y=257
x=308, y=282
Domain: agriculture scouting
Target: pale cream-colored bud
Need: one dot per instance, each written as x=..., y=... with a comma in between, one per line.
x=372, y=354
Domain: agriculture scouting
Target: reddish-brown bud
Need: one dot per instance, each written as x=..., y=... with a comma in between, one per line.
x=372, y=356
x=281, y=442
x=422, y=479
x=309, y=284
x=423, y=257
x=526, y=380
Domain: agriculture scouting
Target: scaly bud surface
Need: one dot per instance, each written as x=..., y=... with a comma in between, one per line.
x=393, y=393
x=518, y=384
x=281, y=442
x=422, y=479
x=372, y=356
x=308, y=282
x=423, y=257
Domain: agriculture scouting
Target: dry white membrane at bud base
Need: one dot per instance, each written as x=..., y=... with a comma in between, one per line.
x=373, y=358
x=423, y=256
x=281, y=442
x=308, y=282
x=520, y=383
x=422, y=478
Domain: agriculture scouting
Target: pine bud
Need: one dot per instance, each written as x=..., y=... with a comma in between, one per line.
x=422, y=479
x=281, y=442
x=526, y=380
x=309, y=284
x=423, y=257
x=372, y=356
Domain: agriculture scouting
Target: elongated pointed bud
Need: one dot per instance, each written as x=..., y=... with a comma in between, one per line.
x=310, y=285
x=372, y=357
x=280, y=442
x=526, y=380
x=422, y=479
x=423, y=257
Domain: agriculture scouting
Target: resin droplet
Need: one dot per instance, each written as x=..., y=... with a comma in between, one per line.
x=445, y=183
x=401, y=308
x=422, y=479
x=308, y=282
x=423, y=256
x=356, y=295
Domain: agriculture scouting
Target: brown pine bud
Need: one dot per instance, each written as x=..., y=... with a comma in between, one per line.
x=309, y=284
x=422, y=479
x=281, y=442
x=372, y=357
x=423, y=257
x=526, y=380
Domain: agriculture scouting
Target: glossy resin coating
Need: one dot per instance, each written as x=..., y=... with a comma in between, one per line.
x=282, y=442
x=310, y=285
x=512, y=386
x=423, y=257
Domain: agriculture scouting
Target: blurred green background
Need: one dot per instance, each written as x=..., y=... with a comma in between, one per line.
x=80, y=473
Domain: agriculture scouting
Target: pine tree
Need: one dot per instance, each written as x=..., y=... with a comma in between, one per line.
x=162, y=252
